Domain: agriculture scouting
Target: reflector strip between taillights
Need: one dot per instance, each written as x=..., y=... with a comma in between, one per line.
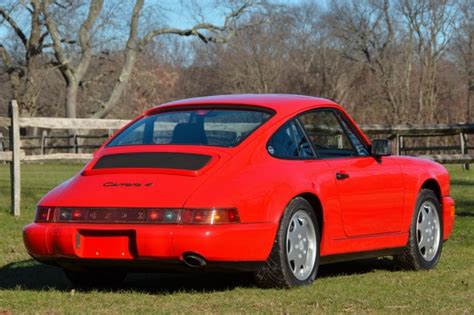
x=137, y=215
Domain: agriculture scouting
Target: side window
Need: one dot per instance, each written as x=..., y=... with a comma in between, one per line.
x=327, y=134
x=358, y=145
x=289, y=142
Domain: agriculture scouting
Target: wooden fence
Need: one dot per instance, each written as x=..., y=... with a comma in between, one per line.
x=17, y=147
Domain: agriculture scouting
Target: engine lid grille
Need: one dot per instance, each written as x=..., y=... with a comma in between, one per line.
x=165, y=160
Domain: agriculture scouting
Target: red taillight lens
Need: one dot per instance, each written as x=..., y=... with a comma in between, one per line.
x=155, y=215
x=164, y=216
x=70, y=214
x=209, y=216
x=44, y=214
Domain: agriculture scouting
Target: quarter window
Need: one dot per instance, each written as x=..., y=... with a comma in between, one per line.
x=328, y=134
x=358, y=145
x=290, y=142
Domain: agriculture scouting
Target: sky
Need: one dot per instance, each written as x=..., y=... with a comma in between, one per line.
x=173, y=12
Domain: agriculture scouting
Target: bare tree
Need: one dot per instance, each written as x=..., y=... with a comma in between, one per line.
x=432, y=24
x=24, y=72
x=463, y=49
x=366, y=32
x=317, y=66
x=73, y=74
x=386, y=60
x=206, y=32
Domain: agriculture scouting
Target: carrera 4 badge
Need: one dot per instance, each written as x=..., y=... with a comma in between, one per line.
x=114, y=184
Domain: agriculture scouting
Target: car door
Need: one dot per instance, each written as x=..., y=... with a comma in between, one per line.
x=370, y=190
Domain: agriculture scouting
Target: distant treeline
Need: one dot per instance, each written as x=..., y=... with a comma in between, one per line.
x=399, y=61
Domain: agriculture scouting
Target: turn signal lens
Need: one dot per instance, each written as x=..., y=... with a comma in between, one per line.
x=209, y=216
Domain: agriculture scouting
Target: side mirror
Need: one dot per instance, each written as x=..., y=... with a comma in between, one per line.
x=381, y=147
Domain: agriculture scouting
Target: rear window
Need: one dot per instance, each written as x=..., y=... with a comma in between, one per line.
x=200, y=126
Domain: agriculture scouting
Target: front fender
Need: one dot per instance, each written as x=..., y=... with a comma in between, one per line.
x=416, y=172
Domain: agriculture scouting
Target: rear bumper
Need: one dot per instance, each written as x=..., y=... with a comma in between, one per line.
x=448, y=216
x=138, y=243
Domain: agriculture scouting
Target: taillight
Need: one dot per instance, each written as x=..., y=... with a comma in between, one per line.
x=45, y=214
x=137, y=215
x=209, y=216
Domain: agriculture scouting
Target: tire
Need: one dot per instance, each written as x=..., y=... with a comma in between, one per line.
x=95, y=278
x=425, y=242
x=296, y=244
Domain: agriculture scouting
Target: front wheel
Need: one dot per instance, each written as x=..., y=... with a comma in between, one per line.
x=425, y=243
x=294, y=258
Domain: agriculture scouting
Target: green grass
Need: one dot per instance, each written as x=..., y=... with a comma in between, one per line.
x=371, y=286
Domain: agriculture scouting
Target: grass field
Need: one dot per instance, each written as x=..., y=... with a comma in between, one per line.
x=370, y=286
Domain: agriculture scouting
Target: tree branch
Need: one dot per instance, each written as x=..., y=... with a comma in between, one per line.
x=5, y=58
x=221, y=34
x=199, y=29
x=84, y=38
x=66, y=69
x=128, y=64
x=15, y=26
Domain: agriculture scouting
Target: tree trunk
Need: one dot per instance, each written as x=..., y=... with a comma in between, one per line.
x=120, y=85
x=71, y=100
x=71, y=106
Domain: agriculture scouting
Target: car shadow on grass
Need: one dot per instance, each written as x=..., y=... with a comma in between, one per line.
x=357, y=267
x=30, y=275
x=33, y=276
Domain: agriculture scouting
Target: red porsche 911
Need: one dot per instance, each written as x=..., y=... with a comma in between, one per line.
x=271, y=184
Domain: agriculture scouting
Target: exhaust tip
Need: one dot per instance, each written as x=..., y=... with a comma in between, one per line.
x=194, y=260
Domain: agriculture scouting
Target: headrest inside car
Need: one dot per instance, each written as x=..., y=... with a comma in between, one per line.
x=189, y=133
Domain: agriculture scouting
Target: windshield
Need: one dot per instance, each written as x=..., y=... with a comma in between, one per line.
x=200, y=126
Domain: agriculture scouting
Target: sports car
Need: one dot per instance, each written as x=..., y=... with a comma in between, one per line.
x=275, y=185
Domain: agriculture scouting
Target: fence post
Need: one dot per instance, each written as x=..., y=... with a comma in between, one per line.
x=2, y=146
x=463, y=141
x=397, y=142
x=402, y=145
x=43, y=142
x=76, y=143
x=16, y=158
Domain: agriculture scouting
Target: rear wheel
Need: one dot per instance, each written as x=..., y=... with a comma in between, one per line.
x=426, y=234
x=294, y=258
x=95, y=277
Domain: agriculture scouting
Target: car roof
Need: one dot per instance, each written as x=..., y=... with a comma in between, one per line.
x=277, y=102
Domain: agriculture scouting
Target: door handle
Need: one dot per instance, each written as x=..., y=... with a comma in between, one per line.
x=341, y=176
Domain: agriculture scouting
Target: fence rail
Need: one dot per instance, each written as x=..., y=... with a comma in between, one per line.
x=416, y=130
x=18, y=152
